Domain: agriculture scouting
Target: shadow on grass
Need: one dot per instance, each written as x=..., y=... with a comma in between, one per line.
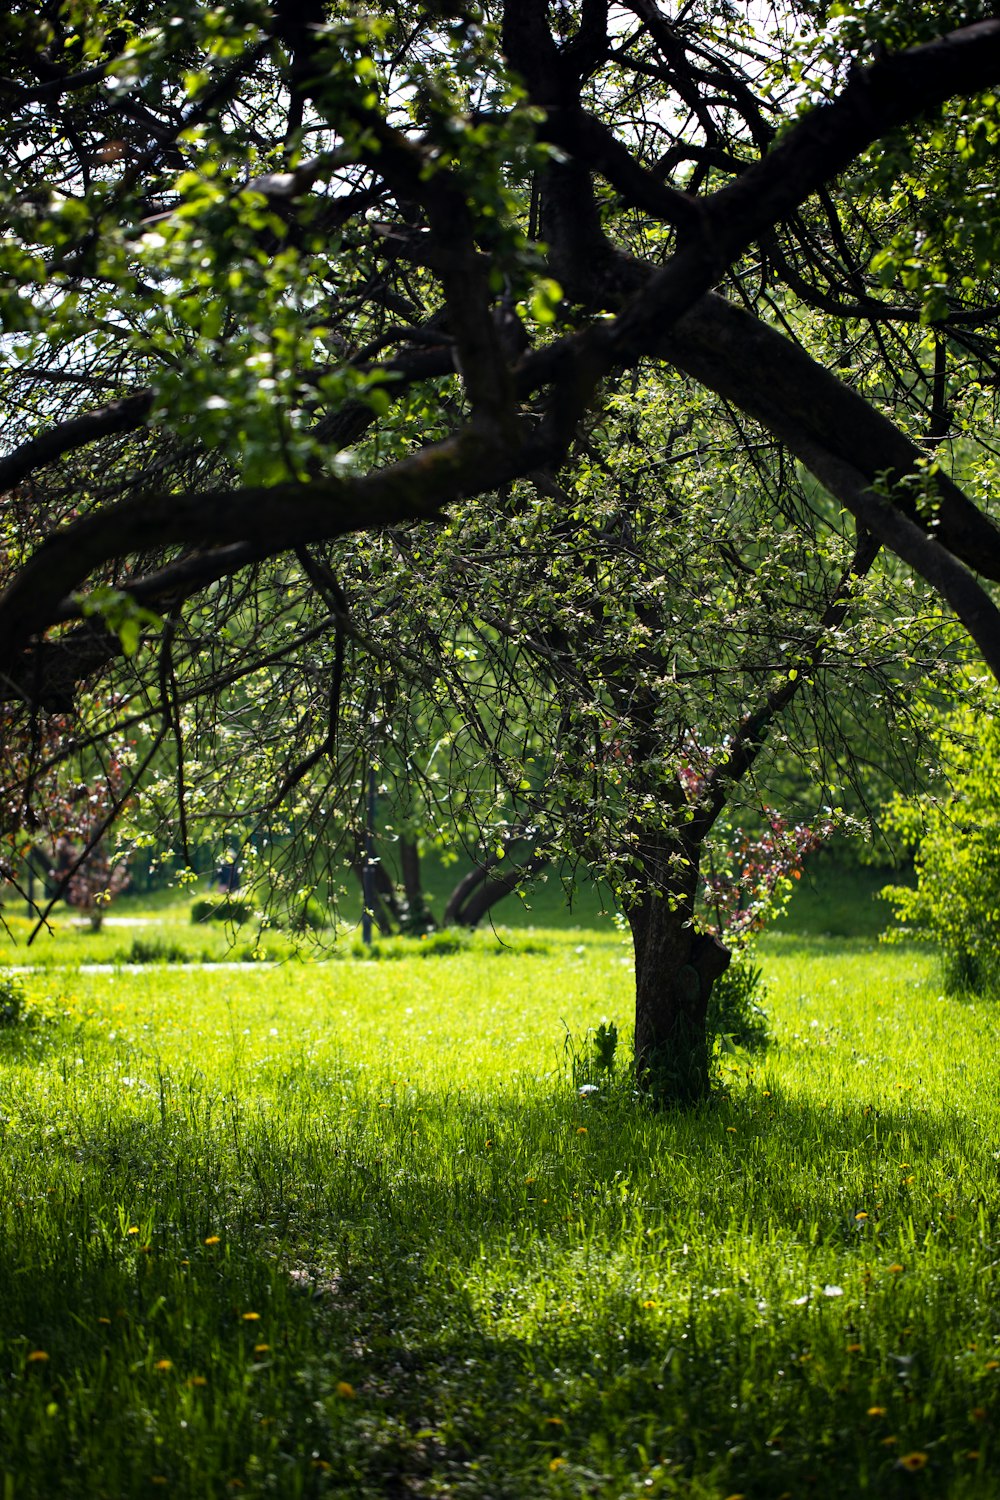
x=481, y=1296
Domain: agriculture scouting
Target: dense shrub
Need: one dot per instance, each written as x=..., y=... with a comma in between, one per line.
x=156, y=950
x=736, y=1006
x=434, y=945
x=448, y=941
x=956, y=902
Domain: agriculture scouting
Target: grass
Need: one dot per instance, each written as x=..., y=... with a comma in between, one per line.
x=349, y=1230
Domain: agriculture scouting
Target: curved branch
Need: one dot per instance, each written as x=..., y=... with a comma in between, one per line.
x=751, y=734
x=711, y=345
x=823, y=422
x=41, y=93
x=894, y=91
x=269, y=519
x=119, y=416
x=595, y=144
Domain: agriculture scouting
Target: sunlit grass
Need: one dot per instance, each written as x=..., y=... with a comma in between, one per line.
x=348, y=1230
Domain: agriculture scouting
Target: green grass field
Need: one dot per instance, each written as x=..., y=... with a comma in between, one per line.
x=350, y=1229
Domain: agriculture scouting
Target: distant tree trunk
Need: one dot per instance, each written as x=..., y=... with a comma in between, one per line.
x=675, y=968
x=480, y=890
x=417, y=917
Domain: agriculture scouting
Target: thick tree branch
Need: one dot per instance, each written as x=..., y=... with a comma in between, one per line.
x=813, y=413
x=271, y=519
x=592, y=142
x=126, y=415
x=834, y=432
x=52, y=89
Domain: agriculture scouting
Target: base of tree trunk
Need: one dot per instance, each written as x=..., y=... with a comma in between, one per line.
x=675, y=968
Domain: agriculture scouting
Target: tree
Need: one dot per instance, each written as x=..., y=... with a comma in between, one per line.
x=278, y=277
x=611, y=686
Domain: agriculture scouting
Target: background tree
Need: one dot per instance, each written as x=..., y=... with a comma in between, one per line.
x=281, y=276
x=953, y=830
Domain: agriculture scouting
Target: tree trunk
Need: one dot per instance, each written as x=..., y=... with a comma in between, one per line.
x=493, y=888
x=417, y=914
x=675, y=968
x=480, y=890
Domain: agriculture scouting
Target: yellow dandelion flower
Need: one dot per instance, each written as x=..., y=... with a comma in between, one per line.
x=105, y=1320
x=877, y=1411
x=854, y=1348
x=554, y=1422
x=992, y=1364
x=556, y=1463
x=197, y=1380
x=889, y=1442
x=164, y=1364
x=251, y=1317
x=213, y=1239
x=262, y=1348
x=861, y=1215
x=895, y=1268
x=650, y=1302
x=133, y=1229
x=581, y=1130
x=323, y=1464
x=529, y=1179
x=912, y=1462
x=37, y=1357
x=345, y=1389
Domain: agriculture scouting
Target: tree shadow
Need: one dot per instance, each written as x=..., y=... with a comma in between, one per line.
x=517, y=1292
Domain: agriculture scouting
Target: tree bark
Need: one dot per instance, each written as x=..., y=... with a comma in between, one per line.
x=675, y=968
x=417, y=913
x=480, y=890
